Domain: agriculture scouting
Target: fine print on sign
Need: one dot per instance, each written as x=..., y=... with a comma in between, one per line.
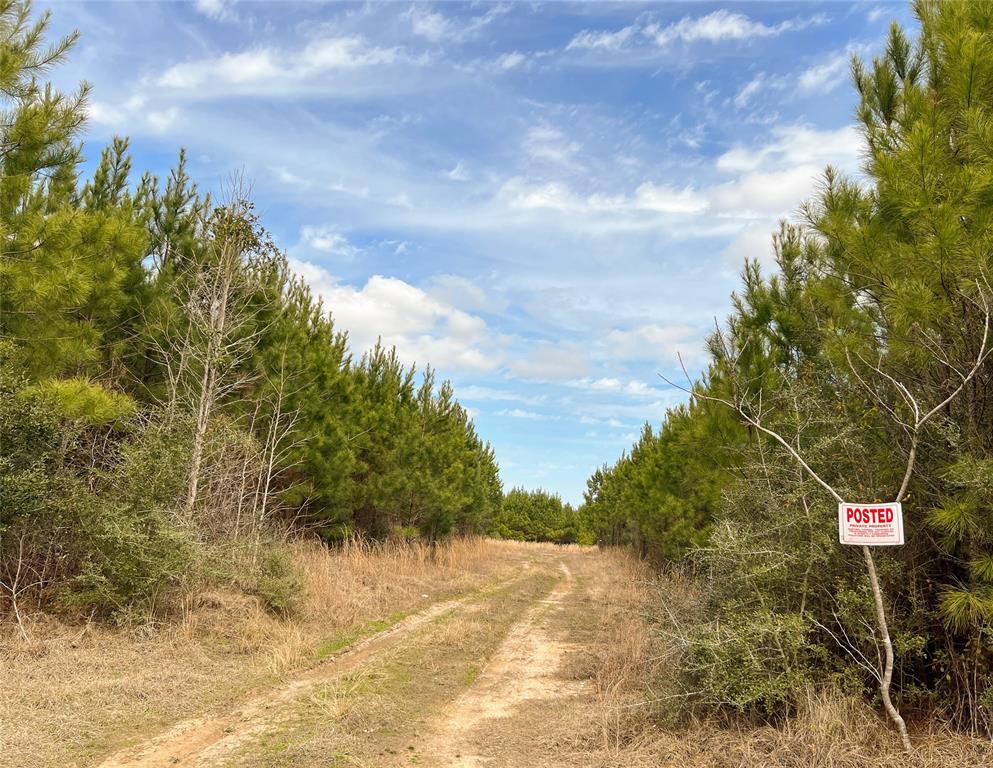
x=873, y=525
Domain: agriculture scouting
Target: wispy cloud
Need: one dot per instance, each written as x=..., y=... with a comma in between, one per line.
x=219, y=10
x=511, y=60
x=458, y=173
x=548, y=361
x=328, y=240
x=654, y=342
x=589, y=39
x=436, y=27
x=647, y=197
x=750, y=88
x=827, y=75
x=269, y=67
x=724, y=25
x=518, y=413
x=546, y=143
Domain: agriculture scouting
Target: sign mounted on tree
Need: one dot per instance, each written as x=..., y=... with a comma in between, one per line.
x=871, y=525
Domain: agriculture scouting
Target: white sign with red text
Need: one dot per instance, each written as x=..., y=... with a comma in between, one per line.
x=873, y=525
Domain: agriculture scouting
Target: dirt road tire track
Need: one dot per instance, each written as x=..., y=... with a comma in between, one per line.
x=522, y=668
x=185, y=743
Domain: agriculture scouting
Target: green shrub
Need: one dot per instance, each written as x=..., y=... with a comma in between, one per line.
x=84, y=401
x=128, y=563
x=755, y=663
x=278, y=585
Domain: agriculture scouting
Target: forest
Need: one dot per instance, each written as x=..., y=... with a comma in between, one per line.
x=211, y=507
x=857, y=369
x=169, y=389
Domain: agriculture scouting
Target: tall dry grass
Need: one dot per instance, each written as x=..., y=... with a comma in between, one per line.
x=77, y=691
x=636, y=718
x=343, y=590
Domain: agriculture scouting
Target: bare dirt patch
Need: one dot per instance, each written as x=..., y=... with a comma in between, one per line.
x=522, y=669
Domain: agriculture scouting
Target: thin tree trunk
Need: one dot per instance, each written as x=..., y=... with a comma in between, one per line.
x=887, y=678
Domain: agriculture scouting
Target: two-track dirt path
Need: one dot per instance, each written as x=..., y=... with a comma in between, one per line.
x=522, y=669
x=428, y=691
x=192, y=741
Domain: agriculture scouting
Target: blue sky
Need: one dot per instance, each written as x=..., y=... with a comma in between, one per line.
x=544, y=201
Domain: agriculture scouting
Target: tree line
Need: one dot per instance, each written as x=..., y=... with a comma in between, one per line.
x=167, y=384
x=858, y=370
x=536, y=515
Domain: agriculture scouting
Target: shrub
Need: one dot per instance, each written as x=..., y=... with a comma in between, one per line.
x=128, y=563
x=278, y=585
x=757, y=662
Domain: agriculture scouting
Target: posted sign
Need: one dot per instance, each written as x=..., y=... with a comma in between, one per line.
x=873, y=525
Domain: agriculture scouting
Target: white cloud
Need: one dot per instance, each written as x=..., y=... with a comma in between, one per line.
x=875, y=14
x=825, y=77
x=124, y=116
x=794, y=145
x=271, y=68
x=436, y=27
x=105, y=113
x=653, y=342
x=602, y=384
x=752, y=87
x=328, y=240
x=517, y=413
x=760, y=193
x=476, y=392
x=511, y=60
x=754, y=241
x=547, y=143
x=550, y=361
x=520, y=193
x=589, y=39
x=219, y=10
x=665, y=199
x=161, y=120
x=723, y=25
x=428, y=24
x=773, y=179
x=458, y=173
x=632, y=388
x=462, y=293
x=422, y=328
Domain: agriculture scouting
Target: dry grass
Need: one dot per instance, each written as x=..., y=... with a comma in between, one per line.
x=358, y=583
x=630, y=722
x=76, y=692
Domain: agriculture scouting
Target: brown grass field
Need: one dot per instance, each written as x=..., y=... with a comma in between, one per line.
x=476, y=653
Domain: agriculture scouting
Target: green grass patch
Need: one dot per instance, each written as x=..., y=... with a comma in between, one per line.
x=348, y=638
x=471, y=674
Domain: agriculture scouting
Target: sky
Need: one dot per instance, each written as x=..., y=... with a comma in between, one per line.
x=547, y=202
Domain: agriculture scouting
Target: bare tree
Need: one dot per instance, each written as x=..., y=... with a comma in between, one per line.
x=18, y=582
x=751, y=410
x=281, y=438
x=202, y=345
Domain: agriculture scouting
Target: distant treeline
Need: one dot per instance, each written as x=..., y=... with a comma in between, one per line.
x=865, y=354
x=537, y=516
x=167, y=383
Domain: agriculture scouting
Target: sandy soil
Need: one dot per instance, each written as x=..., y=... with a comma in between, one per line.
x=520, y=651
x=203, y=741
x=524, y=668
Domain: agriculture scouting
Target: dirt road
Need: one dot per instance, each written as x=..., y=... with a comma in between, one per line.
x=484, y=680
